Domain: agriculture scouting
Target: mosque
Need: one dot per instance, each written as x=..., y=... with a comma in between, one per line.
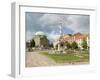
x=41, y=40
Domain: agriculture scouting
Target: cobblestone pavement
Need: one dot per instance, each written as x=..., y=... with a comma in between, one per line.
x=34, y=59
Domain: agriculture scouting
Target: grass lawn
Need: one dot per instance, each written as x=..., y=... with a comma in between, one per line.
x=61, y=58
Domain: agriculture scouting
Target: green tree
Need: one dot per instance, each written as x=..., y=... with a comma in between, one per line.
x=61, y=44
x=32, y=43
x=68, y=45
x=57, y=46
x=74, y=45
x=27, y=45
x=51, y=45
x=84, y=44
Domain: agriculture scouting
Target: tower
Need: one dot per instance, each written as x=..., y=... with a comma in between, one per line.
x=61, y=34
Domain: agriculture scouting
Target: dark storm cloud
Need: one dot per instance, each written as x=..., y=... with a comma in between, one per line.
x=32, y=23
x=80, y=23
x=49, y=23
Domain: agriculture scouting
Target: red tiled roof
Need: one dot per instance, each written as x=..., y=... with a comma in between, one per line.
x=74, y=37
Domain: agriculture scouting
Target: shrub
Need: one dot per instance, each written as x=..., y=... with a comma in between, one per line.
x=74, y=45
x=68, y=45
x=51, y=45
x=32, y=43
x=84, y=44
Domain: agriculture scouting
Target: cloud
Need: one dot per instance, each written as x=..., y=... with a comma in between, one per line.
x=53, y=36
x=49, y=24
x=79, y=23
x=49, y=19
x=29, y=35
x=53, y=20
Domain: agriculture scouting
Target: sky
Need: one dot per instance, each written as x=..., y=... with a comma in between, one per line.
x=50, y=24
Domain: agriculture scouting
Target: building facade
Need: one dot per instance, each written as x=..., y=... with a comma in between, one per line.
x=41, y=40
x=77, y=37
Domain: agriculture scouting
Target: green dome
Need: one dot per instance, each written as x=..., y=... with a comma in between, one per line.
x=40, y=33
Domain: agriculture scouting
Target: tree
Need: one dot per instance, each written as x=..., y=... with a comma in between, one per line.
x=84, y=44
x=57, y=46
x=68, y=45
x=51, y=45
x=61, y=44
x=74, y=45
x=27, y=44
x=32, y=43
